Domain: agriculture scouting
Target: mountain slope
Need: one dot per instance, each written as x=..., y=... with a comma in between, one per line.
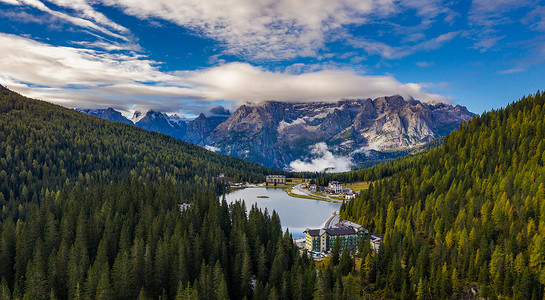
x=159, y=122
x=468, y=214
x=275, y=134
x=190, y=131
x=202, y=125
x=46, y=145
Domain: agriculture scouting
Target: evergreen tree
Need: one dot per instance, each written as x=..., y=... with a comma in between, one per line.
x=335, y=253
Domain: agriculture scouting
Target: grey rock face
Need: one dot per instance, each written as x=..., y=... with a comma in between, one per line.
x=160, y=122
x=277, y=133
x=108, y=113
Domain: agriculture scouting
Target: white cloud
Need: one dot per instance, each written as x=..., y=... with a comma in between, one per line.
x=389, y=52
x=488, y=17
x=487, y=42
x=493, y=12
x=266, y=29
x=84, y=8
x=511, y=71
x=535, y=18
x=424, y=64
x=274, y=29
x=77, y=77
x=87, y=11
x=14, y=2
x=243, y=82
x=43, y=64
x=257, y=30
x=212, y=148
x=323, y=160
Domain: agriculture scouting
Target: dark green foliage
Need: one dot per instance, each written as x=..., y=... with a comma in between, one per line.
x=470, y=213
x=159, y=261
x=44, y=148
x=90, y=210
x=346, y=264
x=335, y=253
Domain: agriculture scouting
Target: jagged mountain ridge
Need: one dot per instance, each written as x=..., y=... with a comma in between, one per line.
x=161, y=122
x=276, y=133
x=108, y=113
x=189, y=131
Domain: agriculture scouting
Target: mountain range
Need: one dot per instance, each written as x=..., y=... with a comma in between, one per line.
x=318, y=136
x=173, y=125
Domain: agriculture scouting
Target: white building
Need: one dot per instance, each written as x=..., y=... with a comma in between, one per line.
x=335, y=187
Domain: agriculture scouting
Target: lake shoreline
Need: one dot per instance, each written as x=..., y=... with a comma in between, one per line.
x=294, y=215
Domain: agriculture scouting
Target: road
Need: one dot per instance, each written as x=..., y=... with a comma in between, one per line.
x=306, y=192
x=336, y=218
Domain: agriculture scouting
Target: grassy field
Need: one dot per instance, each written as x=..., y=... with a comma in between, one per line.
x=357, y=186
x=295, y=181
x=291, y=182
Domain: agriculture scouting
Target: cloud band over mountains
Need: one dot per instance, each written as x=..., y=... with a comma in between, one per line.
x=78, y=77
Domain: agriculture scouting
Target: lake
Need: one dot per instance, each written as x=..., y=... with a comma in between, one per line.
x=297, y=214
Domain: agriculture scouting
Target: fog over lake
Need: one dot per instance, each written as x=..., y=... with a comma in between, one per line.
x=297, y=214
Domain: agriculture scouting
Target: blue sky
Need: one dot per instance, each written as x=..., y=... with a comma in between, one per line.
x=188, y=55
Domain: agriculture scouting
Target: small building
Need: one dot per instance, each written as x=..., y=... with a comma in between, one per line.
x=276, y=179
x=335, y=187
x=312, y=188
x=375, y=241
x=221, y=175
x=349, y=196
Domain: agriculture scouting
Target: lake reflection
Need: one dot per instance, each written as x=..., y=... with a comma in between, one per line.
x=297, y=214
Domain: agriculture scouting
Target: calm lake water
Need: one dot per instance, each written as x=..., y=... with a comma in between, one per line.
x=297, y=214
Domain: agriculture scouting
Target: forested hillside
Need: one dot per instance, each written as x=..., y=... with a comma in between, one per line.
x=468, y=215
x=93, y=209
x=44, y=146
x=129, y=240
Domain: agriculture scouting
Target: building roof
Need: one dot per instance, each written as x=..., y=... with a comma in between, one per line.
x=330, y=231
x=313, y=232
x=345, y=223
x=340, y=231
x=375, y=238
x=281, y=176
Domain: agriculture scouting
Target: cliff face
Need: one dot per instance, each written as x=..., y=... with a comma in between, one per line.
x=160, y=122
x=277, y=133
x=202, y=125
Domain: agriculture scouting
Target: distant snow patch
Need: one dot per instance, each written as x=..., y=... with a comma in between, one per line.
x=137, y=116
x=212, y=148
x=323, y=160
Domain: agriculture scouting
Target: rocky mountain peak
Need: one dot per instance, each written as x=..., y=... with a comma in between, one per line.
x=278, y=133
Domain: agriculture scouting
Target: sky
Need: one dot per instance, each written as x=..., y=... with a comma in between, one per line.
x=185, y=56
